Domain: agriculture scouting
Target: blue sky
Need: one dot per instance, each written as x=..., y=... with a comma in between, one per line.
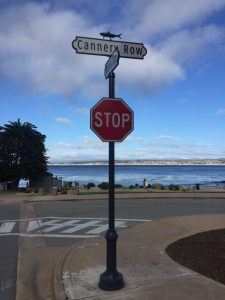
x=177, y=92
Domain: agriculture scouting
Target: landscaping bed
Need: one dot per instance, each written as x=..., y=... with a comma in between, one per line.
x=203, y=252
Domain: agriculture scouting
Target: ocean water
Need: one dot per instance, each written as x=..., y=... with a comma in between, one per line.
x=131, y=175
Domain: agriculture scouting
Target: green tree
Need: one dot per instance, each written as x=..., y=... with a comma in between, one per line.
x=104, y=185
x=22, y=153
x=90, y=185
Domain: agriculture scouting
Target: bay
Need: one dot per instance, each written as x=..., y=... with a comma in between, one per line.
x=133, y=174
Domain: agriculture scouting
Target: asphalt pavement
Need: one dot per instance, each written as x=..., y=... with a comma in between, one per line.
x=8, y=253
x=75, y=266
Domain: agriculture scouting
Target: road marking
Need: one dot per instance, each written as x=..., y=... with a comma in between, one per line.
x=7, y=284
x=7, y=227
x=76, y=236
x=69, y=218
x=32, y=225
x=57, y=225
x=62, y=227
x=103, y=228
x=81, y=226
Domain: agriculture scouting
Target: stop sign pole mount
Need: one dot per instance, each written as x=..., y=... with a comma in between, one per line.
x=111, y=279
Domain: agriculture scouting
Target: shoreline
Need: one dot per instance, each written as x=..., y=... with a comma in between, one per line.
x=134, y=174
x=143, y=163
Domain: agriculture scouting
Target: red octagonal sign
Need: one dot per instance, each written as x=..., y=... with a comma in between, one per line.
x=112, y=120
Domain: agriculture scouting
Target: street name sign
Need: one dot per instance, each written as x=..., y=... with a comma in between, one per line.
x=112, y=120
x=112, y=63
x=86, y=45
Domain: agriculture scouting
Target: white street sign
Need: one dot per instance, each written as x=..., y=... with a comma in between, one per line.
x=112, y=63
x=86, y=45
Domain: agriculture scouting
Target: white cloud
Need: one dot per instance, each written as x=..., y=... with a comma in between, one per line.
x=86, y=142
x=221, y=111
x=134, y=139
x=157, y=70
x=172, y=151
x=36, y=46
x=76, y=156
x=86, y=149
x=91, y=148
x=166, y=137
x=63, y=121
x=186, y=45
x=150, y=18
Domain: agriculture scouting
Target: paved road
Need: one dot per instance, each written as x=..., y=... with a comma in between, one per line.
x=132, y=209
x=64, y=223
x=8, y=254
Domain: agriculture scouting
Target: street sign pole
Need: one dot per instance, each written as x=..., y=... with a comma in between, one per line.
x=111, y=279
x=112, y=124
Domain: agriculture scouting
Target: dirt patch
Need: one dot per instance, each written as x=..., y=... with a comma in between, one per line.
x=203, y=252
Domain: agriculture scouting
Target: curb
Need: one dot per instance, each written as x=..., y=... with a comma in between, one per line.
x=58, y=292
x=60, y=280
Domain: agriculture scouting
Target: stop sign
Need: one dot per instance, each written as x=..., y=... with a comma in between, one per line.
x=112, y=120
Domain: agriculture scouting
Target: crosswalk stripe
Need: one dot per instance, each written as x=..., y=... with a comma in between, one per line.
x=99, y=229
x=7, y=227
x=102, y=228
x=81, y=226
x=73, y=236
x=35, y=224
x=61, y=225
x=69, y=218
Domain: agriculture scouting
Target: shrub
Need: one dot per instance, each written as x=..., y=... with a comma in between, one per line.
x=118, y=186
x=158, y=186
x=173, y=187
x=64, y=191
x=104, y=185
x=184, y=188
x=90, y=185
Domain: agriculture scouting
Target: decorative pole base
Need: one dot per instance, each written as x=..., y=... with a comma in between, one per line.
x=111, y=281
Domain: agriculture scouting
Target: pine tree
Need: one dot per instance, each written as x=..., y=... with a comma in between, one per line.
x=22, y=153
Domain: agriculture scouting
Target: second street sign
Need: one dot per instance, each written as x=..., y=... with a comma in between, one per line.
x=112, y=63
x=86, y=45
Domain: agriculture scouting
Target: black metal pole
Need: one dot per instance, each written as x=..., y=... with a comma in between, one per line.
x=111, y=279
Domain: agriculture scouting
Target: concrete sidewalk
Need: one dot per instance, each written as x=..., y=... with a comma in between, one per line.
x=148, y=272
